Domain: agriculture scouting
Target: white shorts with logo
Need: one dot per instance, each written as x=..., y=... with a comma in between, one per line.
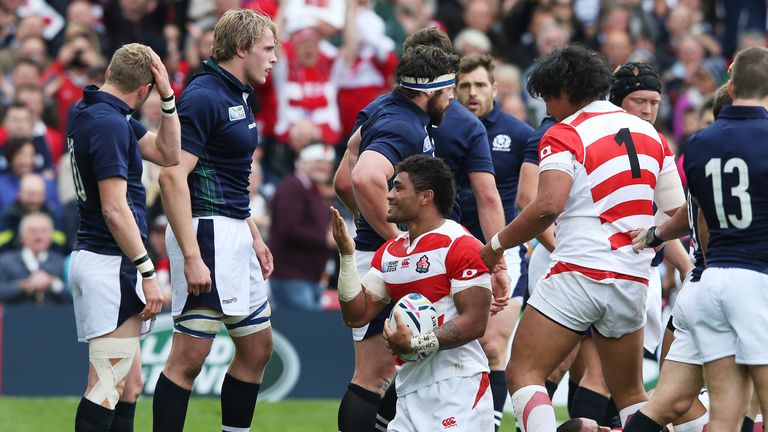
x=363, y=262
x=614, y=306
x=454, y=404
x=106, y=291
x=226, y=246
x=538, y=266
x=730, y=316
x=652, y=332
x=518, y=278
x=684, y=349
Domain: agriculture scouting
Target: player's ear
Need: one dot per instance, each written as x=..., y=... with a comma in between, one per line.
x=495, y=88
x=427, y=196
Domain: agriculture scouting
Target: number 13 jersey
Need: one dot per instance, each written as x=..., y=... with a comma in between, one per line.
x=615, y=159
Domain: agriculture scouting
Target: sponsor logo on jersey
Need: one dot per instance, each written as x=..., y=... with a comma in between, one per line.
x=406, y=263
x=236, y=113
x=422, y=265
x=390, y=266
x=502, y=143
x=449, y=422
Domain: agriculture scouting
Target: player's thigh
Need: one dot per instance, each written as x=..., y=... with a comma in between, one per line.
x=729, y=393
x=622, y=361
x=678, y=386
x=374, y=364
x=592, y=377
x=134, y=383
x=744, y=303
x=254, y=349
x=759, y=376
x=188, y=352
x=539, y=346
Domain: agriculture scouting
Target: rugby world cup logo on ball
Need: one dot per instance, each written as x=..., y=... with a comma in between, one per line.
x=419, y=315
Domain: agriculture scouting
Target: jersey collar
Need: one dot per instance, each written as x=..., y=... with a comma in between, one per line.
x=743, y=112
x=493, y=115
x=408, y=103
x=211, y=65
x=92, y=95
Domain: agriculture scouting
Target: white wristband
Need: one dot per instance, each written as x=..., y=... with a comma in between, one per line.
x=168, y=106
x=495, y=243
x=349, y=281
x=145, y=266
x=425, y=343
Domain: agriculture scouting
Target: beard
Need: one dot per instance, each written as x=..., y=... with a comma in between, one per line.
x=435, y=114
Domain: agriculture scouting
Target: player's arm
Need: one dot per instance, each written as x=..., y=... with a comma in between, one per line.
x=549, y=202
x=178, y=209
x=164, y=147
x=370, y=178
x=526, y=192
x=342, y=184
x=489, y=209
x=122, y=225
x=675, y=227
x=263, y=253
x=359, y=305
x=678, y=257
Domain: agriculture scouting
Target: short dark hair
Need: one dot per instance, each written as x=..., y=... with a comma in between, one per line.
x=579, y=72
x=426, y=61
x=750, y=69
x=721, y=99
x=430, y=36
x=572, y=425
x=431, y=173
x=471, y=62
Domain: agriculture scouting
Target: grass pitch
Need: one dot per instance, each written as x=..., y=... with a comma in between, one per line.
x=204, y=415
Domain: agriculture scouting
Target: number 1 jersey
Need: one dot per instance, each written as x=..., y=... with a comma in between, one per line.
x=615, y=159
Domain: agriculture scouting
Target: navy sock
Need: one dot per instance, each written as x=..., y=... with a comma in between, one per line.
x=358, y=408
x=123, y=420
x=169, y=406
x=748, y=425
x=572, y=386
x=588, y=404
x=639, y=422
x=238, y=400
x=498, y=379
x=551, y=388
x=387, y=407
x=611, y=417
x=92, y=417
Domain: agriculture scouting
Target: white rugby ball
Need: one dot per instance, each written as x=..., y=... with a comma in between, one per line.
x=419, y=315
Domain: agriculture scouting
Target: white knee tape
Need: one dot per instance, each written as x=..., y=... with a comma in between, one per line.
x=112, y=359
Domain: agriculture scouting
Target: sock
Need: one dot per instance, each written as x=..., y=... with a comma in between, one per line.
x=642, y=423
x=759, y=426
x=747, y=426
x=611, y=417
x=169, y=405
x=631, y=410
x=357, y=411
x=238, y=400
x=92, y=417
x=695, y=425
x=123, y=420
x=588, y=404
x=532, y=405
x=572, y=386
x=498, y=380
x=387, y=408
x=551, y=388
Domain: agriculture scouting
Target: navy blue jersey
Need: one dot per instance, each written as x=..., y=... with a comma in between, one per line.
x=102, y=139
x=532, y=149
x=508, y=139
x=695, y=249
x=727, y=169
x=218, y=127
x=397, y=129
x=461, y=141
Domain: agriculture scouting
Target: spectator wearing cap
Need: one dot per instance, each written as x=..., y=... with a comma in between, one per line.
x=300, y=238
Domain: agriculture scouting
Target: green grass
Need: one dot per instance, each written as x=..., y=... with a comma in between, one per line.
x=204, y=415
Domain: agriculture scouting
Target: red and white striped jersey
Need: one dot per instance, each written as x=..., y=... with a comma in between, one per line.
x=436, y=265
x=615, y=159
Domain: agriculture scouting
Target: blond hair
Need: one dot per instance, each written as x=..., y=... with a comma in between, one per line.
x=239, y=29
x=131, y=67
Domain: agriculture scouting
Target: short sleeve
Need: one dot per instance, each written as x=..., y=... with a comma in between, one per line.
x=531, y=152
x=463, y=265
x=560, y=149
x=397, y=142
x=197, y=119
x=478, y=158
x=138, y=129
x=108, y=148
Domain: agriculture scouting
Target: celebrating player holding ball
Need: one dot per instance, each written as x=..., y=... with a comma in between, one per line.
x=439, y=259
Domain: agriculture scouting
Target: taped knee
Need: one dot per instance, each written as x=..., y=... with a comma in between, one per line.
x=257, y=320
x=111, y=359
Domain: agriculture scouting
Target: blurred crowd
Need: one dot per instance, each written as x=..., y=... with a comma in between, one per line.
x=335, y=56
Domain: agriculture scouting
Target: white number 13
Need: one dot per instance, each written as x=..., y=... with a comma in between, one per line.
x=713, y=169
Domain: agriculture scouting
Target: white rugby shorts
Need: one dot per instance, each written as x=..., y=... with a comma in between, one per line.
x=538, y=266
x=653, y=330
x=517, y=278
x=363, y=261
x=453, y=404
x=106, y=291
x=684, y=349
x=729, y=317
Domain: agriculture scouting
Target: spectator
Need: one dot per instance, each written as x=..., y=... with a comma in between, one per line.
x=129, y=21
x=19, y=123
x=507, y=81
x=617, y=47
x=44, y=136
x=471, y=41
x=300, y=236
x=35, y=273
x=31, y=199
x=20, y=156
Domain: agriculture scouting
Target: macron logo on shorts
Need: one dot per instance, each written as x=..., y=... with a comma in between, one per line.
x=449, y=422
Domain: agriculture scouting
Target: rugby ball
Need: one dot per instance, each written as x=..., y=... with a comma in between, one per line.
x=419, y=315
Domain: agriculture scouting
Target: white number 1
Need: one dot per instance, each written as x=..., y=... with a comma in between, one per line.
x=713, y=169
